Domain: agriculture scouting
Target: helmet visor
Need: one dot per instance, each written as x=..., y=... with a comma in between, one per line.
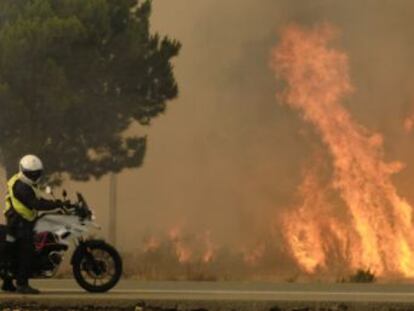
x=33, y=175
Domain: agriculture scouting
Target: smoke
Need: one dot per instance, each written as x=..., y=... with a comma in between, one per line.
x=226, y=158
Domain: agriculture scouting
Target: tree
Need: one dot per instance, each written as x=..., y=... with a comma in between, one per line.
x=74, y=75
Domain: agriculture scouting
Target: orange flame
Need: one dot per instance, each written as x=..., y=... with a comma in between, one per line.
x=189, y=248
x=313, y=234
x=316, y=79
x=409, y=124
x=302, y=228
x=252, y=256
x=183, y=251
x=152, y=244
x=210, y=249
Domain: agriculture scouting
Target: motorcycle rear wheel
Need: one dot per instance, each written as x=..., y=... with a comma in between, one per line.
x=97, y=268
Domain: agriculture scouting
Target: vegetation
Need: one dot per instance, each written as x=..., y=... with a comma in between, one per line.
x=74, y=75
x=363, y=276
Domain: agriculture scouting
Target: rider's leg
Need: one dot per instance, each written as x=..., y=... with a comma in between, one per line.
x=6, y=253
x=25, y=253
x=8, y=285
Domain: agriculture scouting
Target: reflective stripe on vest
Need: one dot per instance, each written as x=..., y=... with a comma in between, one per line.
x=19, y=207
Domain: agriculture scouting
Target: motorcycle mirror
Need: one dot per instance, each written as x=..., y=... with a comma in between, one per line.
x=48, y=190
x=64, y=194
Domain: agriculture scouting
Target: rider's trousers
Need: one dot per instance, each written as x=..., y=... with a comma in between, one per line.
x=22, y=230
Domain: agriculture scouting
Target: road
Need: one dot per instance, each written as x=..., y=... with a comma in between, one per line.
x=132, y=291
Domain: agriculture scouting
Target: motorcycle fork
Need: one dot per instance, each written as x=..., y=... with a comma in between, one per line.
x=90, y=260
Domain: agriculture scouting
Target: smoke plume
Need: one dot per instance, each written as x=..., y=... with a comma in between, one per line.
x=230, y=166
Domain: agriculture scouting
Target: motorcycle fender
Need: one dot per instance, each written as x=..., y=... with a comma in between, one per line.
x=83, y=246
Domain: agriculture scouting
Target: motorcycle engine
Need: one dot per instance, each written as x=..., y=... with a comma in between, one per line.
x=50, y=264
x=55, y=258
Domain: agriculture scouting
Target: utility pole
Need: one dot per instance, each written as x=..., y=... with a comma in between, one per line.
x=112, y=208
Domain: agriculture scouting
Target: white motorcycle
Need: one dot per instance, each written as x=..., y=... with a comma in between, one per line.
x=96, y=265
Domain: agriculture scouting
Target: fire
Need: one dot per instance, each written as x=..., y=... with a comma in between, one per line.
x=409, y=124
x=302, y=228
x=378, y=232
x=182, y=250
x=184, y=246
x=174, y=233
x=151, y=244
x=252, y=256
x=210, y=248
x=313, y=234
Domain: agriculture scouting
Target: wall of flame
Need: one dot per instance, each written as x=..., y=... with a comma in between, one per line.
x=378, y=234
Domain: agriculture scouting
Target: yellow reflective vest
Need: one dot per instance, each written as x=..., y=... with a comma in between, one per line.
x=12, y=202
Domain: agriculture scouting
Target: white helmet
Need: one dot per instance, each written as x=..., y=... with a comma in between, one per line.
x=31, y=167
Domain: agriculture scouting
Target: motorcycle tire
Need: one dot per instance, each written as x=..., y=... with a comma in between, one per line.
x=80, y=266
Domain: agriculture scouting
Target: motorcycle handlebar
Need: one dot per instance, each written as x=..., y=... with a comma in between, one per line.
x=77, y=209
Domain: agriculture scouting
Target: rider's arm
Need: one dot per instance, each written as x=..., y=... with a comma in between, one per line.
x=25, y=194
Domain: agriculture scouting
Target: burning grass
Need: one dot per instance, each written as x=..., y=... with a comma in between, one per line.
x=165, y=263
x=264, y=261
x=377, y=230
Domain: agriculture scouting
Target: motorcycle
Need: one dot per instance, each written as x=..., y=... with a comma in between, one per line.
x=96, y=265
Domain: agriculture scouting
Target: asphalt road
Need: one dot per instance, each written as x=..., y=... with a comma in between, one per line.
x=133, y=291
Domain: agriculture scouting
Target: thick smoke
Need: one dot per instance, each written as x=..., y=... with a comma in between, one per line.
x=226, y=158
x=225, y=149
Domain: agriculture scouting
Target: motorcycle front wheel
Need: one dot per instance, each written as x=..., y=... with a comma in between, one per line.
x=97, y=266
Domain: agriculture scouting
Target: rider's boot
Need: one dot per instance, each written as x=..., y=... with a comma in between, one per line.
x=8, y=285
x=27, y=290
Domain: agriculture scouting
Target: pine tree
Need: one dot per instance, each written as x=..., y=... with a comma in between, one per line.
x=74, y=75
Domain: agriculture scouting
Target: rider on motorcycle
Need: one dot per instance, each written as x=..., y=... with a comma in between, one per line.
x=23, y=201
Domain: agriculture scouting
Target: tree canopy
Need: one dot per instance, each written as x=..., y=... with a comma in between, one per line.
x=74, y=75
